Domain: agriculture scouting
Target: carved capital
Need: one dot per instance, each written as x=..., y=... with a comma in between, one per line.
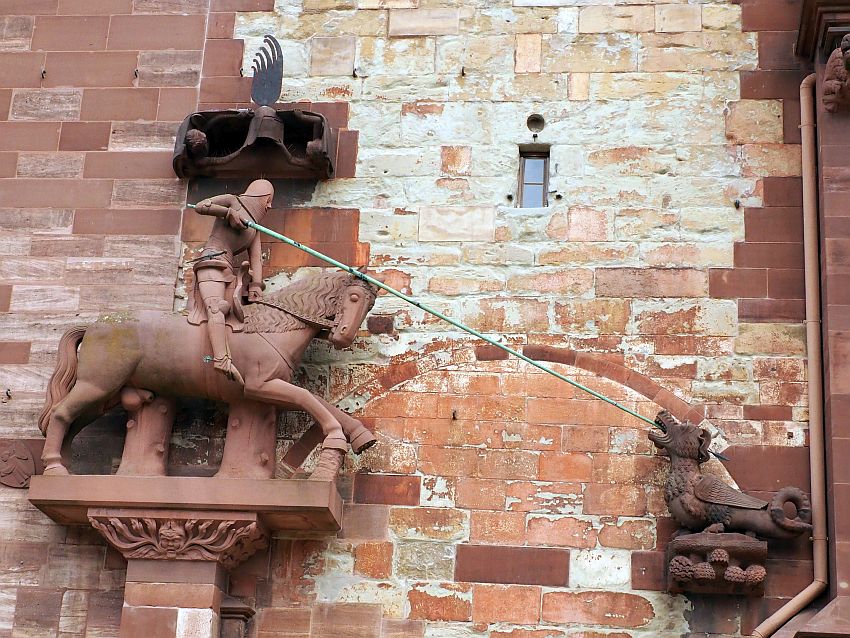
x=164, y=535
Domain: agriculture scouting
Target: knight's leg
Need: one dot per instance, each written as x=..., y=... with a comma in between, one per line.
x=212, y=292
x=82, y=395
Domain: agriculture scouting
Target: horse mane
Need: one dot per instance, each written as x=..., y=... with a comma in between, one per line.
x=311, y=298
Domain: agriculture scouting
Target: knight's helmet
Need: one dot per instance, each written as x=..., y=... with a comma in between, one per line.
x=255, y=197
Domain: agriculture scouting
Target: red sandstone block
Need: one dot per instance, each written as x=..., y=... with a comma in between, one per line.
x=503, y=528
x=95, y=69
x=223, y=57
x=565, y=467
x=175, y=103
x=786, y=283
x=346, y=156
x=768, y=412
x=15, y=351
x=5, y=298
x=220, y=26
x=765, y=85
x=563, y=531
x=618, y=500
x=776, y=50
x=21, y=70
x=768, y=255
x=157, y=32
x=56, y=193
x=506, y=603
x=128, y=164
x=28, y=7
x=607, y=608
x=648, y=571
x=374, y=560
x=770, y=15
x=225, y=89
x=95, y=7
x=126, y=222
x=779, y=224
x=5, y=103
x=782, y=191
x=241, y=5
x=119, y=104
x=507, y=464
x=512, y=565
x=731, y=283
x=387, y=489
x=283, y=620
x=37, y=611
x=365, y=521
x=70, y=33
x=85, y=136
x=340, y=619
x=791, y=122
x=148, y=622
x=650, y=282
x=8, y=164
x=440, y=601
x=483, y=494
x=771, y=310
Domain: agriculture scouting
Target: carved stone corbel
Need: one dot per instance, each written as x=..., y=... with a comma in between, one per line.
x=836, y=93
x=169, y=535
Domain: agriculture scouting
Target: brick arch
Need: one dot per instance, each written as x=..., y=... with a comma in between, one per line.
x=601, y=364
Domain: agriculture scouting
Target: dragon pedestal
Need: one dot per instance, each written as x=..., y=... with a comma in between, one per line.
x=709, y=563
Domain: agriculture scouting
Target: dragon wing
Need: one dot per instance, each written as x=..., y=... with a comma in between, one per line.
x=713, y=490
x=268, y=73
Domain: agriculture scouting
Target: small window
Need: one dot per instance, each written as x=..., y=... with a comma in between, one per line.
x=533, y=179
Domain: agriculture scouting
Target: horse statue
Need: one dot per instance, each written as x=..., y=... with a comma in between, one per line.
x=145, y=359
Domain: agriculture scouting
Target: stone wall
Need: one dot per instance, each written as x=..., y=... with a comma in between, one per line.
x=499, y=503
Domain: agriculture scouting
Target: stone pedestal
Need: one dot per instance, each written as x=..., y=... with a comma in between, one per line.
x=709, y=563
x=181, y=536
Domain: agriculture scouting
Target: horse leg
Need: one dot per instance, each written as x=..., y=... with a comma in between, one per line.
x=286, y=395
x=81, y=396
x=358, y=435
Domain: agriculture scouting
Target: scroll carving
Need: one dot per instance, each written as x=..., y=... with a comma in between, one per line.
x=225, y=541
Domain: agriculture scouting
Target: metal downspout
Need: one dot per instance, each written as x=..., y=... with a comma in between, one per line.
x=813, y=347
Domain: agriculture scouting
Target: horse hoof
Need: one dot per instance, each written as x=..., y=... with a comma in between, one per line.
x=56, y=469
x=362, y=439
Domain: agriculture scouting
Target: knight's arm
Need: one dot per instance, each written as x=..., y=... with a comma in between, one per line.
x=217, y=206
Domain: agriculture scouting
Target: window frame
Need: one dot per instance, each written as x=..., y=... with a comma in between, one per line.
x=527, y=154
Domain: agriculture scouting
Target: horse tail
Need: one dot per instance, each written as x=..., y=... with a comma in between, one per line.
x=800, y=523
x=64, y=376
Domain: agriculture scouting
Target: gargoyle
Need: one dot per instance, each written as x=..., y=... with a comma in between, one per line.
x=265, y=141
x=835, y=89
x=702, y=502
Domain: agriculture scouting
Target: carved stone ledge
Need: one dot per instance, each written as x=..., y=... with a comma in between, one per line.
x=228, y=538
x=299, y=506
x=822, y=25
x=708, y=563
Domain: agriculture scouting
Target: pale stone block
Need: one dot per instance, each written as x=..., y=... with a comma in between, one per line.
x=544, y=3
x=579, y=86
x=750, y=121
x=137, y=136
x=332, y=56
x=721, y=16
x=567, y=20
x=490, y=54
x=50, y=165
x=566, y=52
x=324, y=5
x=676, y=18
x=31, y=269
x=457, y=223
x=595, y=568
x=61, y=105
x=528, y=50
x=413, y=22
x=702, y=51
x=388, y=4
x=772, y=160
x=8, y=596
x=197, y=623
x=617, y=19
x=72, y=617
x=407, y=57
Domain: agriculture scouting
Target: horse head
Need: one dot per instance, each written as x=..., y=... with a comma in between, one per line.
x=354, y=303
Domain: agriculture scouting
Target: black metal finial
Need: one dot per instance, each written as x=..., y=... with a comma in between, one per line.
x=268, y=73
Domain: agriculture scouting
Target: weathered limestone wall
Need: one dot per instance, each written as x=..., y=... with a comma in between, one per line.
x=499, y=503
